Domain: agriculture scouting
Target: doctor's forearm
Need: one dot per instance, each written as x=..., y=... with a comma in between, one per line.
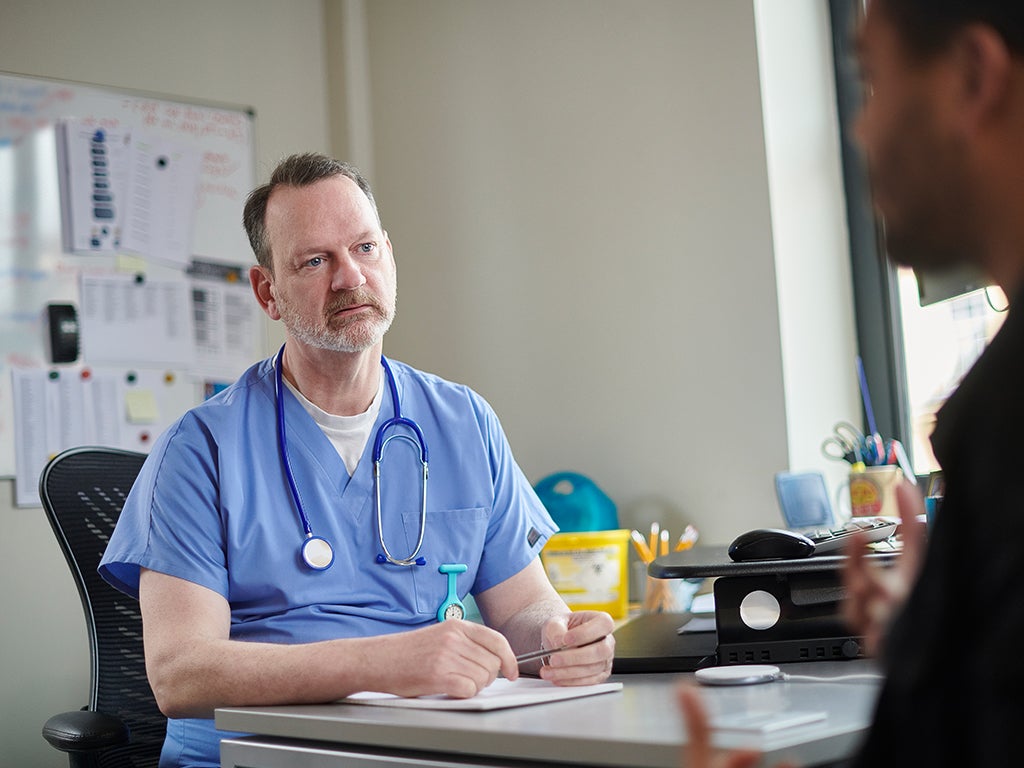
x=191, y=680
x=457, y=658
x=194, y=667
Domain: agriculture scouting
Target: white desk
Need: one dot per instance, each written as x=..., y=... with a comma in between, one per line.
x=639, y=726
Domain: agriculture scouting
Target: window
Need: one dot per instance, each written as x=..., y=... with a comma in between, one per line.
x=941, y=342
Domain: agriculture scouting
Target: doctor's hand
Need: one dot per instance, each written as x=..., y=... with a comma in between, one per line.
x=875, y=594
x=454, y=657
x=593, y=648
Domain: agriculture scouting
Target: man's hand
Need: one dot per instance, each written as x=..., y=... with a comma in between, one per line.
x=456, y=658
x=874, y=594
x=699, y=753
x=580, y=666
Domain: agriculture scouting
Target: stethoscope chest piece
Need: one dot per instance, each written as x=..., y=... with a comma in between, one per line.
x=451, y=607
x=317, y=553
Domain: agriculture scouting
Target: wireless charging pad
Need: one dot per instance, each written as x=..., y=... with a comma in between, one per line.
x=743, y=674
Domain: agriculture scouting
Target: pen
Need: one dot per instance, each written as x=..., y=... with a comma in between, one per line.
x=532, y=655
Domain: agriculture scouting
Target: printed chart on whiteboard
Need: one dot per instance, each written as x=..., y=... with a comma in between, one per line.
x=124, y=294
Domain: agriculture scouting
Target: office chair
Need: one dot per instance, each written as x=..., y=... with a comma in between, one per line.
x=803, y=500
x=83, y=491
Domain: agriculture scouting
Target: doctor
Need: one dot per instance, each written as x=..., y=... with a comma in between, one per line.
x=271, y=567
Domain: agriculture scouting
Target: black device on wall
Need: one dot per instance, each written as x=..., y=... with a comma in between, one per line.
x=63, y=333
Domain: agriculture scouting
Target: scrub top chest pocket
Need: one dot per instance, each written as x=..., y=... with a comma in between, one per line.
x=452, y=536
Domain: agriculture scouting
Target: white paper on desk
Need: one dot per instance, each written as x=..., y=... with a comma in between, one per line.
x=500, y=694
x=703, y=605
x=765, y=722
x=698, y=624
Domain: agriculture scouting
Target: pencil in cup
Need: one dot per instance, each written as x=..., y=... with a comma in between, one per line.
x=641, y=547
x=657, y=595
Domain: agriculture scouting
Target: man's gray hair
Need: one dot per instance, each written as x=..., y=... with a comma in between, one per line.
x=296, y=171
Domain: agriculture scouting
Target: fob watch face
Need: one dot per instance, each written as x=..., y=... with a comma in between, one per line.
x=454, y=611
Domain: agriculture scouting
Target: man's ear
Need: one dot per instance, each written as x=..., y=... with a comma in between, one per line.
x=391, y=249
x=985, y=66
x=262, y=283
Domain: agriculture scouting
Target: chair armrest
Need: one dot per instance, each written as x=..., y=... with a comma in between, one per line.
x=84, y=731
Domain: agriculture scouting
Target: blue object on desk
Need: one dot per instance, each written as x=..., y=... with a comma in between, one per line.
x=575, y=503
x=803, y=499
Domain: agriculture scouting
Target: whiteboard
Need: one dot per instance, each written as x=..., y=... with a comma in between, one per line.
x=35, y=268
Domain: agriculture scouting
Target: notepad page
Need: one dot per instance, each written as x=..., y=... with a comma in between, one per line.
x=500, y=694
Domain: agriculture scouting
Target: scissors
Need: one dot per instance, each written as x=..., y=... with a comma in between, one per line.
x=846, y=443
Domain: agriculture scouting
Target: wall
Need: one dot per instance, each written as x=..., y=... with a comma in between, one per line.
x=809, y=232
x=579, y=198
x=260, y=53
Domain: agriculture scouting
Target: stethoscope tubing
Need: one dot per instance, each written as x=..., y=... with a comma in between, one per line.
x=283, y=441
x=381, y=439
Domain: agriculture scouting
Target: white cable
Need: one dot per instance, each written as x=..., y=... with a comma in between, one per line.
x=840, y=678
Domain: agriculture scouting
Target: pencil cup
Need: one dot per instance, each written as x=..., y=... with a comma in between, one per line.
x=873, y=491
x=669, y=595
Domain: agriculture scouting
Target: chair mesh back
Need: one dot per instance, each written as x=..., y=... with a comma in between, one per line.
x=83, y=491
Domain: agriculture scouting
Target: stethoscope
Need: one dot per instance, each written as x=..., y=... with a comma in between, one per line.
x=316, y=551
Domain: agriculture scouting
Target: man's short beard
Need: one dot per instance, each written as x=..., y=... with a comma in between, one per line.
x=355, y=336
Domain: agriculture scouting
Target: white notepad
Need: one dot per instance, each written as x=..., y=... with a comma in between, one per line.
x=500, y=694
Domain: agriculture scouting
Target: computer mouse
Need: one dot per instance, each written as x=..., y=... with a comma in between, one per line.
x=770, y=544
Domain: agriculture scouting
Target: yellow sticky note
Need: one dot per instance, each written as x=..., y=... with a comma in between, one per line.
x=130, y=263
x=142, y=407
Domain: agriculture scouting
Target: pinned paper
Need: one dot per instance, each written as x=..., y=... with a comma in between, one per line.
x=93, y=166
x=129, y=319
x=162, y=188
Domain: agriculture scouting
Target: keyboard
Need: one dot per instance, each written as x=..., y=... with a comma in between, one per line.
x=829, y=540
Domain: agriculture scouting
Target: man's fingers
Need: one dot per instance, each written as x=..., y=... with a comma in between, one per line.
x=856, y=580
x=698, y=733
x=699, y=752
x=912, y=530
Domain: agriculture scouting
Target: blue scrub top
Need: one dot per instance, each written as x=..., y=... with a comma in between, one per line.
x=212, y=506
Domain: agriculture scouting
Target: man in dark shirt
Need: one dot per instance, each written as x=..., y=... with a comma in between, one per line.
x=943, y=134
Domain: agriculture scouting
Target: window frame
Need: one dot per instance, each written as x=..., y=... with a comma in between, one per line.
x=877, y=314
